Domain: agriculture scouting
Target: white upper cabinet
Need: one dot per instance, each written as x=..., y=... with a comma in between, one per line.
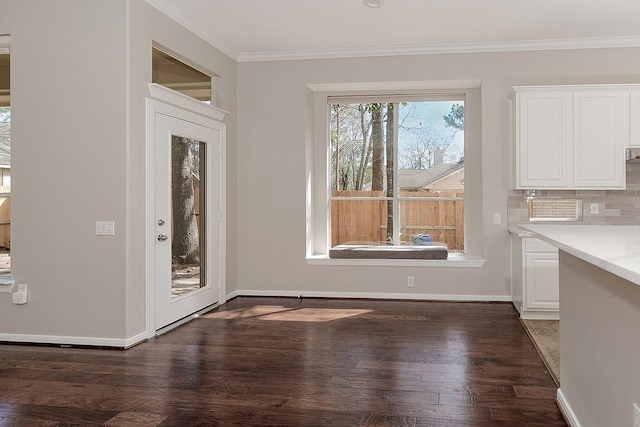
x=572, y=137
x=543, y=129
x=600, y=134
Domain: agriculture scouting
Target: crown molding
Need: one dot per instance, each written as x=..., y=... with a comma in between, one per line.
x=449, y=48
x=198, y=30
x=428, y=49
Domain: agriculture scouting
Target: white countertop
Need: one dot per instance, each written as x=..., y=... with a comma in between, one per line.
x=614, y=248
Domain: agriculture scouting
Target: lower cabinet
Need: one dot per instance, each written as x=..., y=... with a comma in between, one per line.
x=535, y=280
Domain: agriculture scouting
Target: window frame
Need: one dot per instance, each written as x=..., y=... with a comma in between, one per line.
x=396, y=197
x=6, y=282
x=318, y=180
x=188, y=64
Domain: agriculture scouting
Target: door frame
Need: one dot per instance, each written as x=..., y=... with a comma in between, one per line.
x=162, y=100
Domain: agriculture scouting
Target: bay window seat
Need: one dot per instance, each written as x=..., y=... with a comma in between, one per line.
x=350, y=251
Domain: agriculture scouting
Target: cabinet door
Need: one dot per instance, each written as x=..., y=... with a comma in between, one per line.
x=543, y=133
x=600, y=129
x=635, y=119
x=542, y=283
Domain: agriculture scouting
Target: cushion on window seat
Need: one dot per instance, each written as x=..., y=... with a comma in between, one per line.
x=436, y=251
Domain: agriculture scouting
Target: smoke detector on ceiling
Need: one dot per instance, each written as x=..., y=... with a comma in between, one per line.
x=373, y=3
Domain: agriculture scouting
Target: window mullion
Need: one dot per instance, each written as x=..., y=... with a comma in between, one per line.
x=396, y=183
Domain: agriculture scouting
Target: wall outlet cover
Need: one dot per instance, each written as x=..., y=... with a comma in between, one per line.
x=19, y=297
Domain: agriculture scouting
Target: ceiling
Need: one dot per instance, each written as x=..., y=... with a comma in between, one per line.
x=259, y=30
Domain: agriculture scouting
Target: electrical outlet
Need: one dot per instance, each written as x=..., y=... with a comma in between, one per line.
x=19, y=297
x=22, y=288
x=595, y=209
x=636, y=415
x=410, y=281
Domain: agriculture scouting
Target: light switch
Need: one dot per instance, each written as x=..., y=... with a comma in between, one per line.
x=497, y=218
x=105, y=228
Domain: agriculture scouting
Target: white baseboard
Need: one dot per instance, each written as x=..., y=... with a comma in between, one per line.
x=131, y=341
x=67, y=340
x=372, y=295
x=566, y=410
x=542, y=315
x=230, y=296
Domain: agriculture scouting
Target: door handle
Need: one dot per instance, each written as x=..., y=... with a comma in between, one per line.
x=162, y=237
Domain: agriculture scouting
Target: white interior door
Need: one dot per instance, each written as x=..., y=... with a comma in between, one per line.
x=187, y=237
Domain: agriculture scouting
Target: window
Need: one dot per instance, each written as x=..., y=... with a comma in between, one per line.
x=177, y=75
x=345, y=205
x=397, y=172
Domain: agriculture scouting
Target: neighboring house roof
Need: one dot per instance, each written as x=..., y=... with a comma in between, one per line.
x=421, y=178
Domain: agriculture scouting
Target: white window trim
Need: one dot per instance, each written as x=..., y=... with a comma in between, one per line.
x=317, y=160
x=6, y=284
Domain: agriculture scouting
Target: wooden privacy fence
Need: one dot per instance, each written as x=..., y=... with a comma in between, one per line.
x=5, y=220
x=365, y=221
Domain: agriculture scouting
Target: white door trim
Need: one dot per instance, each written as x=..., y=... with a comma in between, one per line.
x=175, y=104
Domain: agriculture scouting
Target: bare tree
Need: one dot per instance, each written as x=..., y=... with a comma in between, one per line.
x=350, y=150
x=365, y=126
x=5, y=126
x=377, y=142
x=420, y=154
x=186, y=241
x=390, y=143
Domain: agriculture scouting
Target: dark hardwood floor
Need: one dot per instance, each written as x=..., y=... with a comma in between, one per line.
x=290, y=362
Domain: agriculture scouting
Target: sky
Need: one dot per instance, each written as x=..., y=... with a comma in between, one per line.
x=428, y=116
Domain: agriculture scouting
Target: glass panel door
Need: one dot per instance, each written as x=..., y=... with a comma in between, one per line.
x=187, y=181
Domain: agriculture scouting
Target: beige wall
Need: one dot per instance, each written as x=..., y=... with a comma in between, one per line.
x=78, y=89
x=271, y=163
x=80, y=70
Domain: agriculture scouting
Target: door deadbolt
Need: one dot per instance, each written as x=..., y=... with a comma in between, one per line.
x=161, y=222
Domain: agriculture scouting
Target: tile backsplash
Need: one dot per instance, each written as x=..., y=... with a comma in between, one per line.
x=555, y=209
x=614, y=206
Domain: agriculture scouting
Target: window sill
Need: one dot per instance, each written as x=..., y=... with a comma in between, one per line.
x=453, y=260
